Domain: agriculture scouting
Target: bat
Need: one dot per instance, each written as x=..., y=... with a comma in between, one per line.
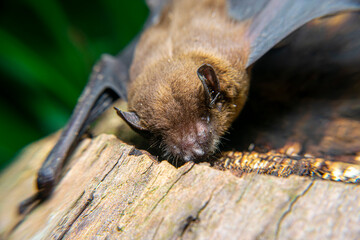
x=186, y=77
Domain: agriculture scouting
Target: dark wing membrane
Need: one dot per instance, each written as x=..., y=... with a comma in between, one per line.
x=244, y=9
x=336, y=46
x=273, y=20
x=107, y=82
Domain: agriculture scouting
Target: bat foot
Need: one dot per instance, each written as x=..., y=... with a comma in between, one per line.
x=45, y=182
x=31, y=202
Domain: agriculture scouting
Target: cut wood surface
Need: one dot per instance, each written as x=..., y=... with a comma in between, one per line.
x=107, y=193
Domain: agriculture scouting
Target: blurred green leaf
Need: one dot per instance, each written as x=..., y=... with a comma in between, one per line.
x=29, y=68
x=47, y=50
x=53, y=16
x=15, y=132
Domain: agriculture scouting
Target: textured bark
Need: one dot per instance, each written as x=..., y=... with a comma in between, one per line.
x=108, y=193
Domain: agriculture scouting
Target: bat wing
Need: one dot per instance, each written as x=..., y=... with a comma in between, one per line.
x=273, y=20
x=108, y=81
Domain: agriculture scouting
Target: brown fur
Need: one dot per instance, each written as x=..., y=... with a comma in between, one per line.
x=165, y=90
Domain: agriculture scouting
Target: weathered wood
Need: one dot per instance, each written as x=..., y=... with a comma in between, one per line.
x=109, y=193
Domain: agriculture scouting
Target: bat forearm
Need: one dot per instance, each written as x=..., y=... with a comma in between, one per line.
x=93, y=101
x=101, y=91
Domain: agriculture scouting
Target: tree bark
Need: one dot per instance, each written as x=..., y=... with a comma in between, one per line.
x=106, y=192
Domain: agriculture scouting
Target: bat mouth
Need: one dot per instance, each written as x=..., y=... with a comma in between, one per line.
x=190, y=153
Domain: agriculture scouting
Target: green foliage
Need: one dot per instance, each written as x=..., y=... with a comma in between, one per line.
x=47, y=50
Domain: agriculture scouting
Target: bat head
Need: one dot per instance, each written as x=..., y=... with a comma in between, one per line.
x=185, y=107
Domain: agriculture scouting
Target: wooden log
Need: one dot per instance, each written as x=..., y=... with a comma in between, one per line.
x=108, y=193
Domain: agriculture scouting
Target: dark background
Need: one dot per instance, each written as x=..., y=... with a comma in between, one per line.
x=47, y=50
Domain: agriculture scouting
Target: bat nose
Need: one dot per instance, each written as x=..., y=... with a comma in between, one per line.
x=196, y=144
x=193, y=152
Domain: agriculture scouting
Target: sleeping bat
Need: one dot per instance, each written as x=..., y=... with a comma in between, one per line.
x=186, y=77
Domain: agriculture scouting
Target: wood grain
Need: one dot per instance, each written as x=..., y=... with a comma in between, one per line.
x=108, y=193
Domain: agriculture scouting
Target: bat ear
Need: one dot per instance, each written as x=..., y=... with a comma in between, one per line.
x=133, y=120
x=210, y=81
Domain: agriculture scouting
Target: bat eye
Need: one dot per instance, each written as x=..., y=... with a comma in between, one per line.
x=133, y=120
x=210, y=81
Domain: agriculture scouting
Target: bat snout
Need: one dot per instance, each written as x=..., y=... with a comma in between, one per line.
x=193, y=143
